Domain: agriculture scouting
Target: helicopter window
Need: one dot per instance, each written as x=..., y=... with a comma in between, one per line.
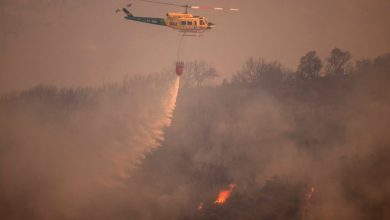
x=183, y=22
x=202, y=22
x=195, y=23
x=189, y=22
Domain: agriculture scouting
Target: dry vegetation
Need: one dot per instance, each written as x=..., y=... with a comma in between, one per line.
x=273, y=132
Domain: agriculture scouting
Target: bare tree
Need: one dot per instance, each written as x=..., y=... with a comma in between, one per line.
x=309, y=66
x=197, y=73
x=337, y=62
x=259, y=73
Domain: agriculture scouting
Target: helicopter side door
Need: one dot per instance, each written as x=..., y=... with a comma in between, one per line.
x=181, y=23
x=185, y=24
x=190, y=24
x=172, y=24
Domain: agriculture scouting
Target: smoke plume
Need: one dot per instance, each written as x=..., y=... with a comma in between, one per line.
x=61, y=150
x=293, y=147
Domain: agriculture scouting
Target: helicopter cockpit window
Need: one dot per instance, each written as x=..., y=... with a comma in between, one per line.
x=202, y=22
x=183, y=23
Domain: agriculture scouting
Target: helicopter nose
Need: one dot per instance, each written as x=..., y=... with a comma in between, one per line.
x=210, y=25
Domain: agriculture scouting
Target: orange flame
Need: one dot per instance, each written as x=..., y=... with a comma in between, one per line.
x=200, y=206
x=224, y=195
x=309, y=194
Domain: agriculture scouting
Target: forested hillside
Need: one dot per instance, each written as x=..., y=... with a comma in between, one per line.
x=311, y=143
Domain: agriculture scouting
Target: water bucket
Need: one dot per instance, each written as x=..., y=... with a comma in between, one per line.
x=179, y=68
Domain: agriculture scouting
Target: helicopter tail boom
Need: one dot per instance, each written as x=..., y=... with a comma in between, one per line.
x=149, y=20
x=130, y=16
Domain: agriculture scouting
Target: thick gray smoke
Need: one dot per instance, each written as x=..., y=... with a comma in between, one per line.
x=324, y=139
x=296, y=149
x=63, y=149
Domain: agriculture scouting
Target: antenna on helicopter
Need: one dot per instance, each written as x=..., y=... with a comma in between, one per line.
x=192, y=6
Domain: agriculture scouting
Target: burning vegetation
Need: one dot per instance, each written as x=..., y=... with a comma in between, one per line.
x=224, y=195
x=267, y=144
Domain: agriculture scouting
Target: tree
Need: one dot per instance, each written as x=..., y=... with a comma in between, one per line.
x=309, y=66
x=337, y=62
x=259, y=73
x=197, y=73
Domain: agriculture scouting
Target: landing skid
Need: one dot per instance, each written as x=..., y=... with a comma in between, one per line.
x=190, y=35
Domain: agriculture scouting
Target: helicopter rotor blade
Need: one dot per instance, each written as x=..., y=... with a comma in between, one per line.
x=192, y=7
x=119, y=9
x=164, y=3
x=214, y=8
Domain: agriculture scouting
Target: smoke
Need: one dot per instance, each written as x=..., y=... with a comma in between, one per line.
x=63, y=150
x=83, y=153
x=276, y=145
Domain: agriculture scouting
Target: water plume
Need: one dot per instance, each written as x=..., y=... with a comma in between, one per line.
x=169, y=107
x=75, y=146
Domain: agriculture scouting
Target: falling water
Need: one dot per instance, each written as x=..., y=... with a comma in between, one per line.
x=169, y=107
x=171, y=103
x=147, y=135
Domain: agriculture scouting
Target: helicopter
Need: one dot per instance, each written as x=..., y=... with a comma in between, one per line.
x=183, y=22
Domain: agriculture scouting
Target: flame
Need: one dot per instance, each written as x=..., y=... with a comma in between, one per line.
x=224, y=195
x=200, y=206
x=308, y=196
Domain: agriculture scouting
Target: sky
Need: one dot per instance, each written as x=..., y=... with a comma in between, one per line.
x=84, y=43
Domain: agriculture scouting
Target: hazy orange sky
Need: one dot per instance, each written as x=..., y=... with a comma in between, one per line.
x=77, y=43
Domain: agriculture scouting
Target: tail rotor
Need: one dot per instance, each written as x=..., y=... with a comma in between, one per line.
x=124, y=9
